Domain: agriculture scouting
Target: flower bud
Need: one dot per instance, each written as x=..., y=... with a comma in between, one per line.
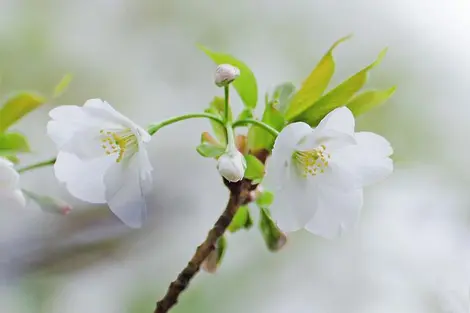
x=274, y=238
x=225, y=74
x=49, y=204
x=232, y=165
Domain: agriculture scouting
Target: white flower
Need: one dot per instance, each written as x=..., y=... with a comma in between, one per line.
x=225, y=74
x=232, y=165
x=102, y=158
x=9, y=183
x=317, y=174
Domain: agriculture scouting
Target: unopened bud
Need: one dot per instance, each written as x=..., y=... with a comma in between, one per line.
x=231, y=165
x=213, y=261
x=49, y=204
x=225, y=74
x=274, y=238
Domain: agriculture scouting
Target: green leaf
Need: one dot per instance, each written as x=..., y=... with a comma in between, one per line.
x=282, y=95
x=246, y=113
x=368, y=100
x=241, y=220
x=62, y=86
x=254, y=168
x=265, y=199
x=217, y=107
x=339, y=96
x=258, y=138
x=208, y=150
x=245, y=84
x=274, y=238
x=315, y=84
x=18, y=106
x=13, y=143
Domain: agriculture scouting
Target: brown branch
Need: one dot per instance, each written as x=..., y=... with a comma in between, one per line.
x=239, y=194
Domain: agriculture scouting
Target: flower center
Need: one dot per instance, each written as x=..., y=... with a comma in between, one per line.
x=118, y=142
x=311, y=162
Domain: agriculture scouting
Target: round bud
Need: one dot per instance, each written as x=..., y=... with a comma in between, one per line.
x=225, y=74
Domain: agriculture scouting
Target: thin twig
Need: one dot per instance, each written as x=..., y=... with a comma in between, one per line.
x=239, y=193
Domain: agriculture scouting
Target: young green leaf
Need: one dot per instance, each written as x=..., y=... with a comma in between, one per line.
x=245, y=114
x=368, y=100
x=208, y=150
x=217, y=107
x=245, y=84
x=62, y=86
x=18, y=106
x=258, y=138
x=265, y=199
x=13, y=143
x=254, y=168
x=315, y=84
x=282, y=95
x=337, y=97
x=241, y=220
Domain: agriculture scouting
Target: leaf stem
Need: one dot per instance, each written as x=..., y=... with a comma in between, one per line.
x=154, y=128
x=37, y=165
x=265, y=126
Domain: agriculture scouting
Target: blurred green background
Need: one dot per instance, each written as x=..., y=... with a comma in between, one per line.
x=410, y=252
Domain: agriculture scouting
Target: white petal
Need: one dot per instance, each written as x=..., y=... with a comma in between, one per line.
x=332, y=139
x=98, y=107
x=369, y=159
x=340, y=120
x=85, y=144
x=338, y=212
x=12, y=196
x=295, y=204
x=281, y=156
x=126, y=192
x=83, y=178
x=374, y=144
x=9, y=177
x=339, y=176
x=70, y=119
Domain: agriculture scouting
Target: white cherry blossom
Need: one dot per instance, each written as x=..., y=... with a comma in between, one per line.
x=317, y=175
x=102, y=158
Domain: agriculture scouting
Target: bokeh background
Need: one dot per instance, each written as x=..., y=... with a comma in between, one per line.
x=411, y=250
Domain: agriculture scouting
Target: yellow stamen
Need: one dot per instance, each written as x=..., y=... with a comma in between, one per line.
x=312, y=162
x=119, y=142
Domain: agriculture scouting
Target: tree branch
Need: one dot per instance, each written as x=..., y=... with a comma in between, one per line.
x=239, y=194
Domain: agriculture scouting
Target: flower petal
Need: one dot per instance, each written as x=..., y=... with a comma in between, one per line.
x=374, y=144
x=100, y=108
x=295, y=204
x=337, y=212
x=368, y=160
x=126, y=192
x=281, y=156
x=83, y=178
x=339, y=120
x=9, y=177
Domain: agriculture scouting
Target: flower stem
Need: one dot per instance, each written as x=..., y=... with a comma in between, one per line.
x=265, y=126
x=37, y=165
x=154, y=128
x=226, y=111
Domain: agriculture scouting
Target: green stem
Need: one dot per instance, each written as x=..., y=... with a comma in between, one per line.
x=230, y=137
x=226, y=111
x=266, y=127
x=154, y=128
x=37, y=165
